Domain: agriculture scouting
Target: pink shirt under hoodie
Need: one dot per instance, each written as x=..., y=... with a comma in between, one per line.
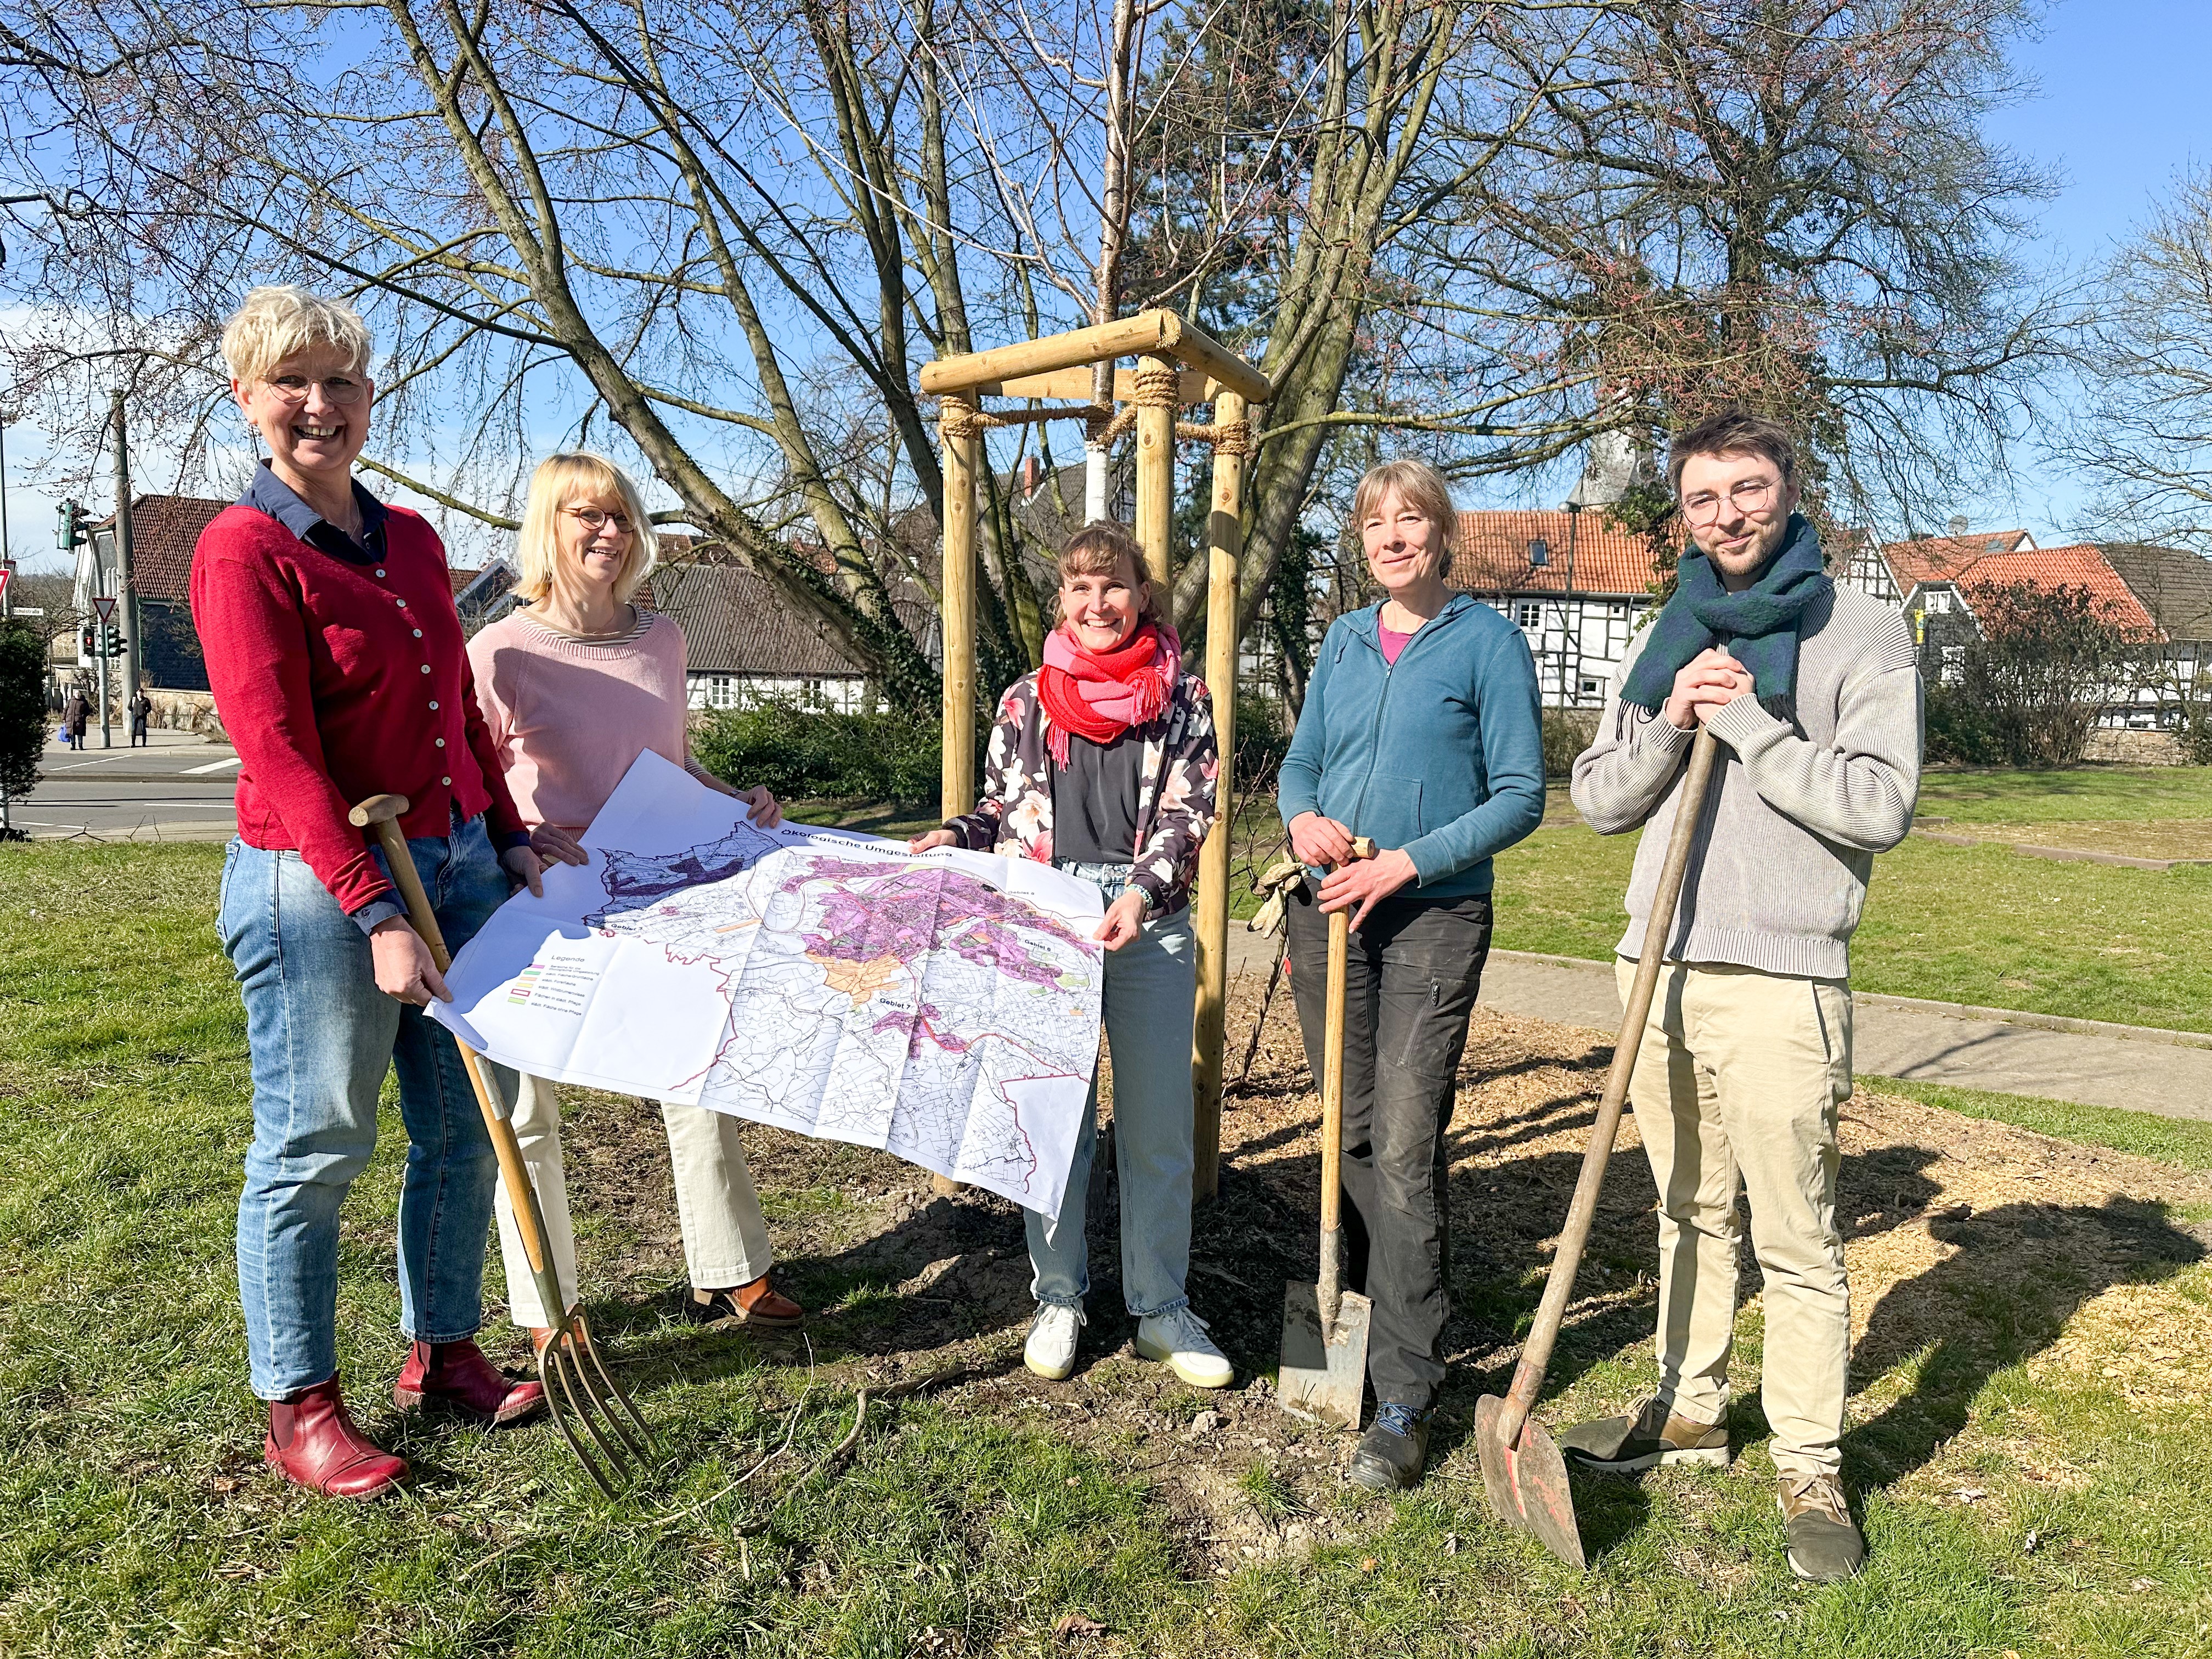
x=568, y=717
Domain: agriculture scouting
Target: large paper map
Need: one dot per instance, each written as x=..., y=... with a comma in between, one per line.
x=944, y=1006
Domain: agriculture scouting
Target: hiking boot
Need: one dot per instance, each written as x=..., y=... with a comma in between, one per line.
x=1178, y=1337
x=1653, y=1433
x=1050, y=1350
x=313, y=1443
x=1392, y=1453
x=455, y=1374
x=756, y=1303
x=1825, y=1542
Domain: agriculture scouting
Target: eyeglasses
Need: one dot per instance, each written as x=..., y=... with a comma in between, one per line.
x=594, y=521
x=1752, y=496
x=338, y=388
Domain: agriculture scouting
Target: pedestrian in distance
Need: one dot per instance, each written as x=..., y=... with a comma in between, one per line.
x=1813, y=691
x=75, y=712
x=339, y=669
x=1421, y=729
x=141, y=708
x=575, y=686
x=1103, y=764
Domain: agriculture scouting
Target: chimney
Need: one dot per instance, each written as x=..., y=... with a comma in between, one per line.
x=1032, y=476
x=1958, y=524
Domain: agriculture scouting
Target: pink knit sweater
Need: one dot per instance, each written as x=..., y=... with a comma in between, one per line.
x=568, y=718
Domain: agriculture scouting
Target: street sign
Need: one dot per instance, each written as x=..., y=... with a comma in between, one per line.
x=30, y=611
x=6, y=571
x=105, y=608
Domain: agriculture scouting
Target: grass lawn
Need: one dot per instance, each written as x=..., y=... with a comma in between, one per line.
x=2032, y=1427
x=2079, y=794
x=1979, y=925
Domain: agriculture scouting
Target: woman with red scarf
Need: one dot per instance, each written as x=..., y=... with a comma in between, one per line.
x=1103, y=764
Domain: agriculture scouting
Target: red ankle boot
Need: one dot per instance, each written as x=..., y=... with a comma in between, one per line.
x=313, y=1443
x=457, y=1376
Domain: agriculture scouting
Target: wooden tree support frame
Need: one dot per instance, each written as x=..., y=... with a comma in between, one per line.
x=1178, y=365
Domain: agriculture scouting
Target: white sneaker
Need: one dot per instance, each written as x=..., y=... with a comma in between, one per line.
x=1179, y=1338
x=1050, y=1350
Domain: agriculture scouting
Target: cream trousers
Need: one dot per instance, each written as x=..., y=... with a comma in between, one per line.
x=725, y=1238
x=1738, y=1081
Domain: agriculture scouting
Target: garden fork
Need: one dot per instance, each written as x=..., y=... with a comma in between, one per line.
x=580, y=1391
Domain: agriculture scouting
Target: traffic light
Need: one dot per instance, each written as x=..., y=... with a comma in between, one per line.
x=87, y=642
x=111, y=641
x=69, y=533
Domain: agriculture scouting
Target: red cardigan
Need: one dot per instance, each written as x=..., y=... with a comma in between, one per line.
x=339, y=680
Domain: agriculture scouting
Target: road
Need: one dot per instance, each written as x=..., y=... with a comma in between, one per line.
x=176, y=788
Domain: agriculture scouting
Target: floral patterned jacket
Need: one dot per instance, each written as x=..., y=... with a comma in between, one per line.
x=1175, y=787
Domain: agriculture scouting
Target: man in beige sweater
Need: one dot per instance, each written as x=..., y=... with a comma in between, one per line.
x=1815, y=693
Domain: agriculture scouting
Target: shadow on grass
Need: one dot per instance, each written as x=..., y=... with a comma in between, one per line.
x=2018, y=1274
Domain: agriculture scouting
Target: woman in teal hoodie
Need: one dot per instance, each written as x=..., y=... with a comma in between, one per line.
x=1420, y=729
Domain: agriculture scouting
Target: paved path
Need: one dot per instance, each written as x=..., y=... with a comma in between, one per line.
x=2095, y=1065
x=178, y=787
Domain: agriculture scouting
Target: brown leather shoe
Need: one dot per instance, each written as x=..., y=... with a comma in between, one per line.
x=457, y=1375
x=755, y=1303
x=313, y=1443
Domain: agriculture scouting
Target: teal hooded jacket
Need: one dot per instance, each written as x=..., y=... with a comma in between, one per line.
x=1440, y=754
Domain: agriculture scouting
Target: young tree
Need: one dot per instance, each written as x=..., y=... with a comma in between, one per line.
x=2042, y=663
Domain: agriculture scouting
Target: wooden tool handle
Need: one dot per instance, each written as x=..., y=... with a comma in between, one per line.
x=521, y=1193
x=1332, y=1103
x=1559, y=1286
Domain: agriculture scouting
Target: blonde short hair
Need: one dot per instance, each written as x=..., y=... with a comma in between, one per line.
x=1099, y=548
x=560, y=481
x=1418, y=485
x=276, y=322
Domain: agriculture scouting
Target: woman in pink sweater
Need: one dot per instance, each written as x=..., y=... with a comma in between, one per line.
x=574, y=689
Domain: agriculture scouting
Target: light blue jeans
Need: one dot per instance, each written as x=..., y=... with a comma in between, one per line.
x=1151, y=995
x=321, y=1037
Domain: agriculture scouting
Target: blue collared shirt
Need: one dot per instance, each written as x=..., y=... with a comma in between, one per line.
x=269, y=494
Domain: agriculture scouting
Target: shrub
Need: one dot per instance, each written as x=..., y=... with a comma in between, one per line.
x=1567, y=732
x=1263, y=738
x=809, y=753
x=2025, y=681
x=1959, y=732
x=22, y=706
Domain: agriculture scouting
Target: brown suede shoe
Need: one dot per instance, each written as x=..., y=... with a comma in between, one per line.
x=756, y=1304
x=1650, y=1435
x=457, y=1375
x=313, y=1443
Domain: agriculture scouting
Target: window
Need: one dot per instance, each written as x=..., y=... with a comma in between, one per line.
x=1954, y=660
x=1937, y=602
x=1591, y=688
x=1618, y=608
x=1539, y=554
x=1529, y=615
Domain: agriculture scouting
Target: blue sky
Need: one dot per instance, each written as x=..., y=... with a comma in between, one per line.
x=2119, y=115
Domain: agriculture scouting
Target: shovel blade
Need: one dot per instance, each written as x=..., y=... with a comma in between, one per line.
x=1323, y=1378
x=1528, y=1482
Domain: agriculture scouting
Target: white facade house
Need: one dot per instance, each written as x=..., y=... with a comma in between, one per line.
x=1577, y=586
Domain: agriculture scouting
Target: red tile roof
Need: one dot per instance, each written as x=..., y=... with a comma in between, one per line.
x=1490, y=554
x=164, y=530
x=1961, y=562
x=1971, y=545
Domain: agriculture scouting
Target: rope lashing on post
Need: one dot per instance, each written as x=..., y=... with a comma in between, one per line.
x=959, y=419
x=1227, y=437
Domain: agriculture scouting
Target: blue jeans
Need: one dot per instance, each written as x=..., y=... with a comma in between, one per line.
x=1150, y=993
x=321, y=1037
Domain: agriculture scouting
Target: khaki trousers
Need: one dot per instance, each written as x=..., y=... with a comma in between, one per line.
x=1739, y=1079
x=725, y=1238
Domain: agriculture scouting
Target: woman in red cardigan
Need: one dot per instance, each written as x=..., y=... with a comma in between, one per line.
x=337, y=665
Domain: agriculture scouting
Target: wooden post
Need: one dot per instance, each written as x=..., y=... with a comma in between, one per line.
x=962, y=441
x=1225, y=537
x=1156, y=468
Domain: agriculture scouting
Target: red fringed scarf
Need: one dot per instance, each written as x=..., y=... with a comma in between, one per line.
x=1099, y=694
